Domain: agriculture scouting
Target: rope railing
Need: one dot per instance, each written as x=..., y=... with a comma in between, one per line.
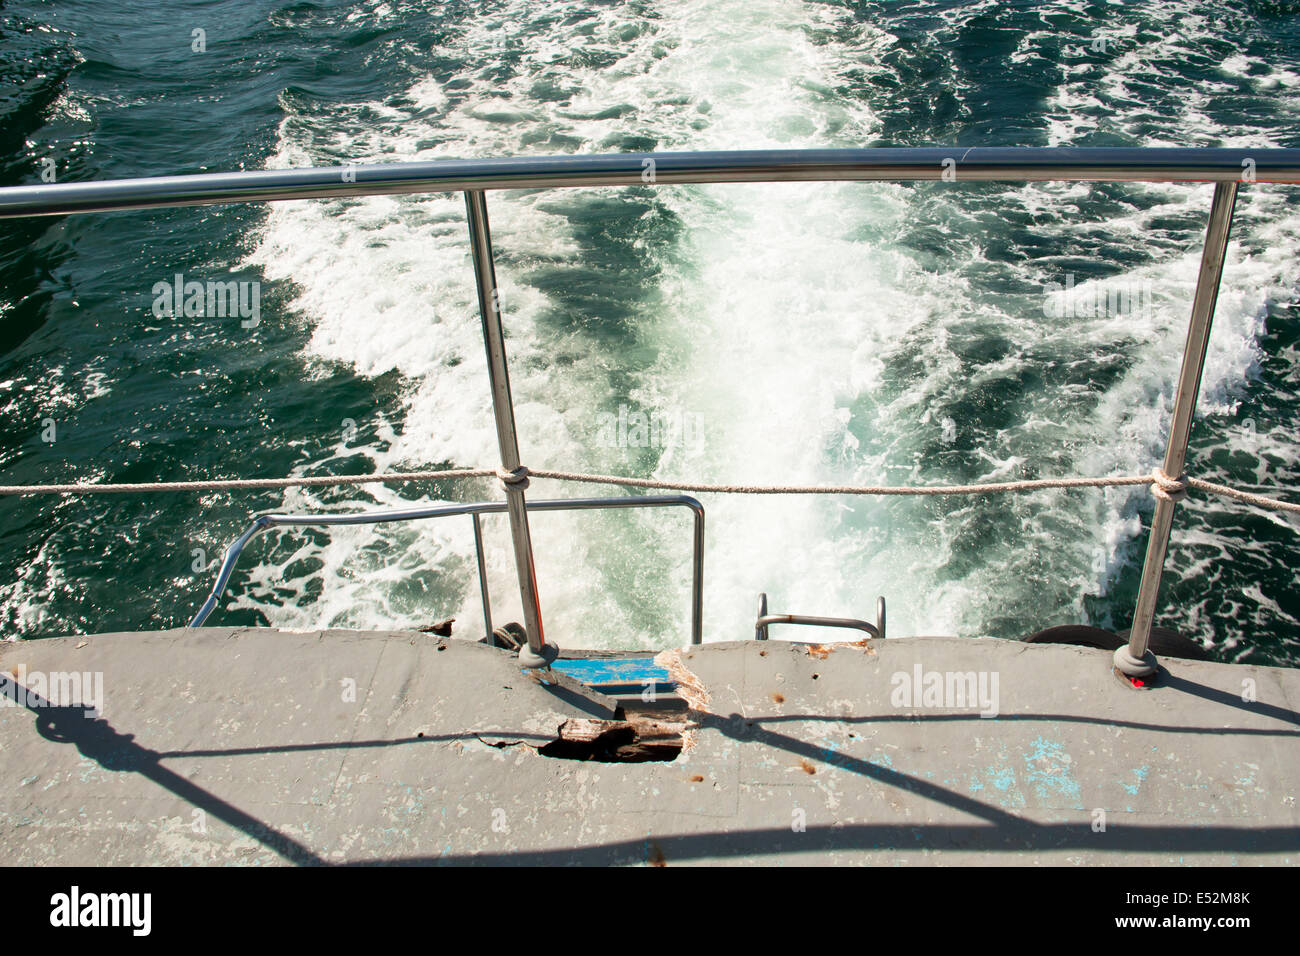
x=1162, y=486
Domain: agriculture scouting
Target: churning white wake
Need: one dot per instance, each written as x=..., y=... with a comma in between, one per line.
x=788, y=322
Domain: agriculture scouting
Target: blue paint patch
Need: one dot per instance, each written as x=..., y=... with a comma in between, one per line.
x=597, y=671
x=1141, y=774
x=831, y=754
x=1049, y=769
x=1003, y=779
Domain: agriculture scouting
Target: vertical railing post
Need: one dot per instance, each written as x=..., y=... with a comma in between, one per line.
x=697, y=576
x=536, y=653
x=1135, y=659
x=482, y=579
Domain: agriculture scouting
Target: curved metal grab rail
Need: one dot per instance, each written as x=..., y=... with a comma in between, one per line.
x=262, y=522
x=766, y=620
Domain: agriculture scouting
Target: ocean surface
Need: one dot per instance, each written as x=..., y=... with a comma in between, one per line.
x=787, y=333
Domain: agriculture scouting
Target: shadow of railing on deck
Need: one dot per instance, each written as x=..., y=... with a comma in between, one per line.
x=96, y=740
x=1003, y=831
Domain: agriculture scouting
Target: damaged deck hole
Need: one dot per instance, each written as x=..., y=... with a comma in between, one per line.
x=616, y=741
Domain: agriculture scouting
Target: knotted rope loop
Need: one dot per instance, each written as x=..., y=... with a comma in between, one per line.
x=1166, y=488
x=516, y=480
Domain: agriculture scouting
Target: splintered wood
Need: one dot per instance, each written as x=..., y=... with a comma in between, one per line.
x=616, y=741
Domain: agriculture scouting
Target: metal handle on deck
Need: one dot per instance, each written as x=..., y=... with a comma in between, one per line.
x=263, y=522
x=765, y=620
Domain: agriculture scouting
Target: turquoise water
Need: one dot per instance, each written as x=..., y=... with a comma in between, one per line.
x=811, y=333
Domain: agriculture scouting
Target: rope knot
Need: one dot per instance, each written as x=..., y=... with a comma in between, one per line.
x=1166, y=488
x=517, y=479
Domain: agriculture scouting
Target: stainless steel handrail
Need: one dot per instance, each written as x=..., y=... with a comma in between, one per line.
x=766, y=620
x=475, y=509
x=1225, y=167
x=1011, y=164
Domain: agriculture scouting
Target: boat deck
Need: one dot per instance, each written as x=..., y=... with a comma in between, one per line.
x=257, y=746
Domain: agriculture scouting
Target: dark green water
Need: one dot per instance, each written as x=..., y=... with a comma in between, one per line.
x=811, y=333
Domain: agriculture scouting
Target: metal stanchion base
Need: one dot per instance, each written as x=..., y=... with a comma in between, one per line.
x=528, y=659
x=1128, y=666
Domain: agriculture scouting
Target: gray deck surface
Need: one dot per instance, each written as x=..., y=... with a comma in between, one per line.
x=225, y=746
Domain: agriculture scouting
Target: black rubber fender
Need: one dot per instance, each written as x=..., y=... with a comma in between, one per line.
x=1167, y=643
x=1080, y=635
x=1163, y=642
